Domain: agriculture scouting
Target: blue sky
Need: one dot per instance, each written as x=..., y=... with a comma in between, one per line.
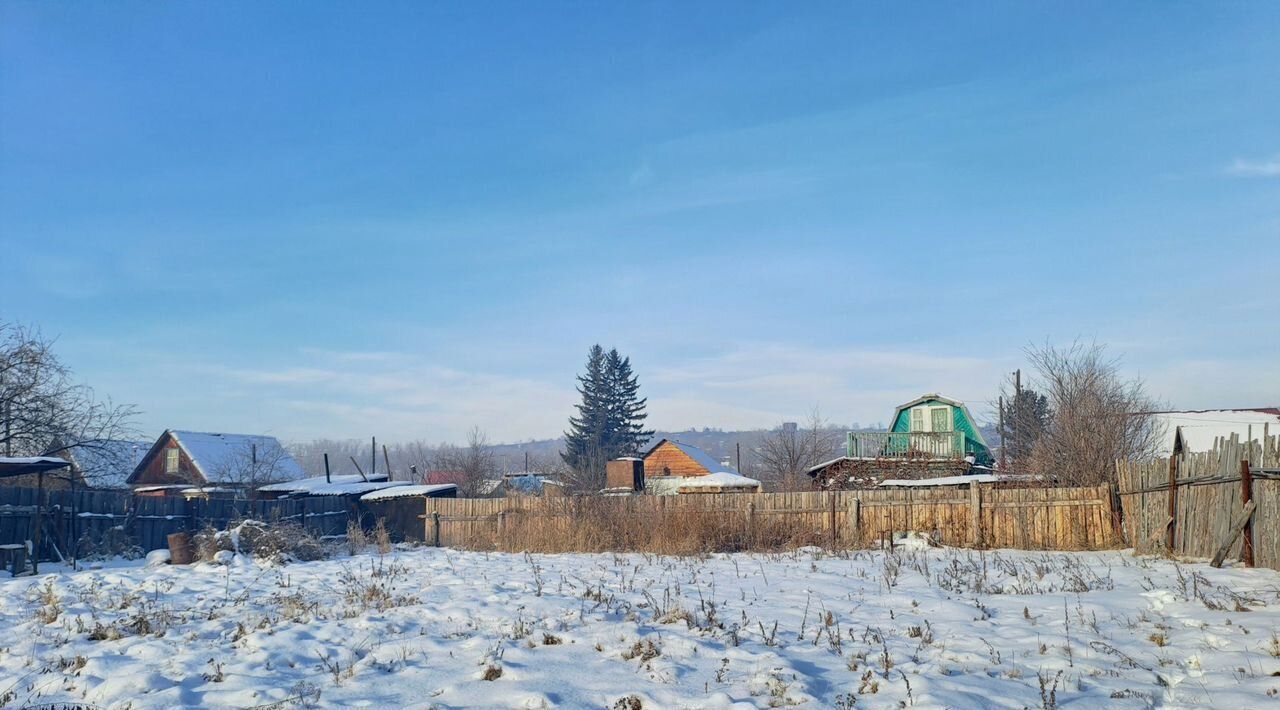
x=405, y=219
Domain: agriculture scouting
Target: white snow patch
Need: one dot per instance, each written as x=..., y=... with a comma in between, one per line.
x=421, y=627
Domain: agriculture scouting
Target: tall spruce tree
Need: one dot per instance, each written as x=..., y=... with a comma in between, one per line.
x=610, y=419
x=1026, y=417
x=626, y=407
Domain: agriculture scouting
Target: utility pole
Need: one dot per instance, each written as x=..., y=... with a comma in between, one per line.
x=1004, y=464
x=373, y=457
x=1017, y=404
x=737, y=445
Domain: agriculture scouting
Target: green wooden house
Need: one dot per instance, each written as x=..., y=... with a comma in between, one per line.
x=928, y=427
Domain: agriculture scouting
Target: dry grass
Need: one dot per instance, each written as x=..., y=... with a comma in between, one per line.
x=280, y=542
x=604, y=526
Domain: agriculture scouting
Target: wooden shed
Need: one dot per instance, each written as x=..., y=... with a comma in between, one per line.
x=669, y=457
x=401, y=508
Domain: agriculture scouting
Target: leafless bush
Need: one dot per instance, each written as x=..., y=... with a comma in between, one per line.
x=381, y=537
x=113, y=542
x=787, y=452
x=357, y=538
x=1096, y=415
x=280, y=542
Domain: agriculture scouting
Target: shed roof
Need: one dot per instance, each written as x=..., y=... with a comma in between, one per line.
x=107, y=463
x=307, y=485
x=702, y=458
x=940, y=481
x=1200, y=428
x=22, y=465
x=409, y=491
x=355, y=488
x=722, y=479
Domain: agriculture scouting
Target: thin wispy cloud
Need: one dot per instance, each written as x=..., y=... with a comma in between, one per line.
x=1266, y=168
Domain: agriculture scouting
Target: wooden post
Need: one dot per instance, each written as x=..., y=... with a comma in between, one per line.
x=855, y=522
x=1246, y=495
x=751, y=520
x=1113, y=505
x=835, y=531
x=1233, y=532
x=35, y=553
x=975, y=515
x=435, y=525
x=1173, y=502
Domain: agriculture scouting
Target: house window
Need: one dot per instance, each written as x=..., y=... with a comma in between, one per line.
x=926, y=419
x=940, y=418
x=171, y=461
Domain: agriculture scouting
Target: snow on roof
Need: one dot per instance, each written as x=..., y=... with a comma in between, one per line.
x=824, y=464
x=940, y=481
x=409, y=491
x=33, y=461
x=165, y=487
x=1201, y=428
x=722, y=479
x=109, y=462
x=702, y=458
x=355, y=488
x=13, y=466
x=531, y=483
x=307, y=485
x=219, y=457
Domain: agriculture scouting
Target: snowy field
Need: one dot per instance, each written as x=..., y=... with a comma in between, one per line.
x=442, y=628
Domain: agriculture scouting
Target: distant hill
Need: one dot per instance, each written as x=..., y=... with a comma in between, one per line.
x=720, y=444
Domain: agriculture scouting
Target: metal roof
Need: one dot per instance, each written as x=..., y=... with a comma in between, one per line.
x=217, y=457
x=11, y=466
x=702, y=458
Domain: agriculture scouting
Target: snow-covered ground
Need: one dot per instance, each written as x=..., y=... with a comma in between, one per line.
x=443, y=628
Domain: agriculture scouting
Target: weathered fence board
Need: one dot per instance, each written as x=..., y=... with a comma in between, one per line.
x=1207, y=497
x=1028, y=518
x=90, y=515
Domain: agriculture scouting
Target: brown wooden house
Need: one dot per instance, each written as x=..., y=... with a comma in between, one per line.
x=669, y=457
x=232, y=461
x=674, y=467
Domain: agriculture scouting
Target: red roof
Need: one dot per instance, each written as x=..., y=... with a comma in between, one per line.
x=438, y=477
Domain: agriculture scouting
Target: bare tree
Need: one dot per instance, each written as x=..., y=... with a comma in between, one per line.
x=1096, y=415
x=474, y=464
x=43, y=410
x=250, y=465
x=787, y=452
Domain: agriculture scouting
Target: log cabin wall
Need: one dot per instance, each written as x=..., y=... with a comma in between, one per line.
x=153, y=472
x=669, y=460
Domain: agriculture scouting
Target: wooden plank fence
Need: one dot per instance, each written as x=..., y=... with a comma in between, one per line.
x=1208, y=491
x=982, y=516
x=90, y=515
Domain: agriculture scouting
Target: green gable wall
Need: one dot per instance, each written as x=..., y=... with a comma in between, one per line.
x=973, y=443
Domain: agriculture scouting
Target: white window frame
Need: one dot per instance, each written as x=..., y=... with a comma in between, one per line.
x=170, y=460
x=948, y=418
x=925, y=413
